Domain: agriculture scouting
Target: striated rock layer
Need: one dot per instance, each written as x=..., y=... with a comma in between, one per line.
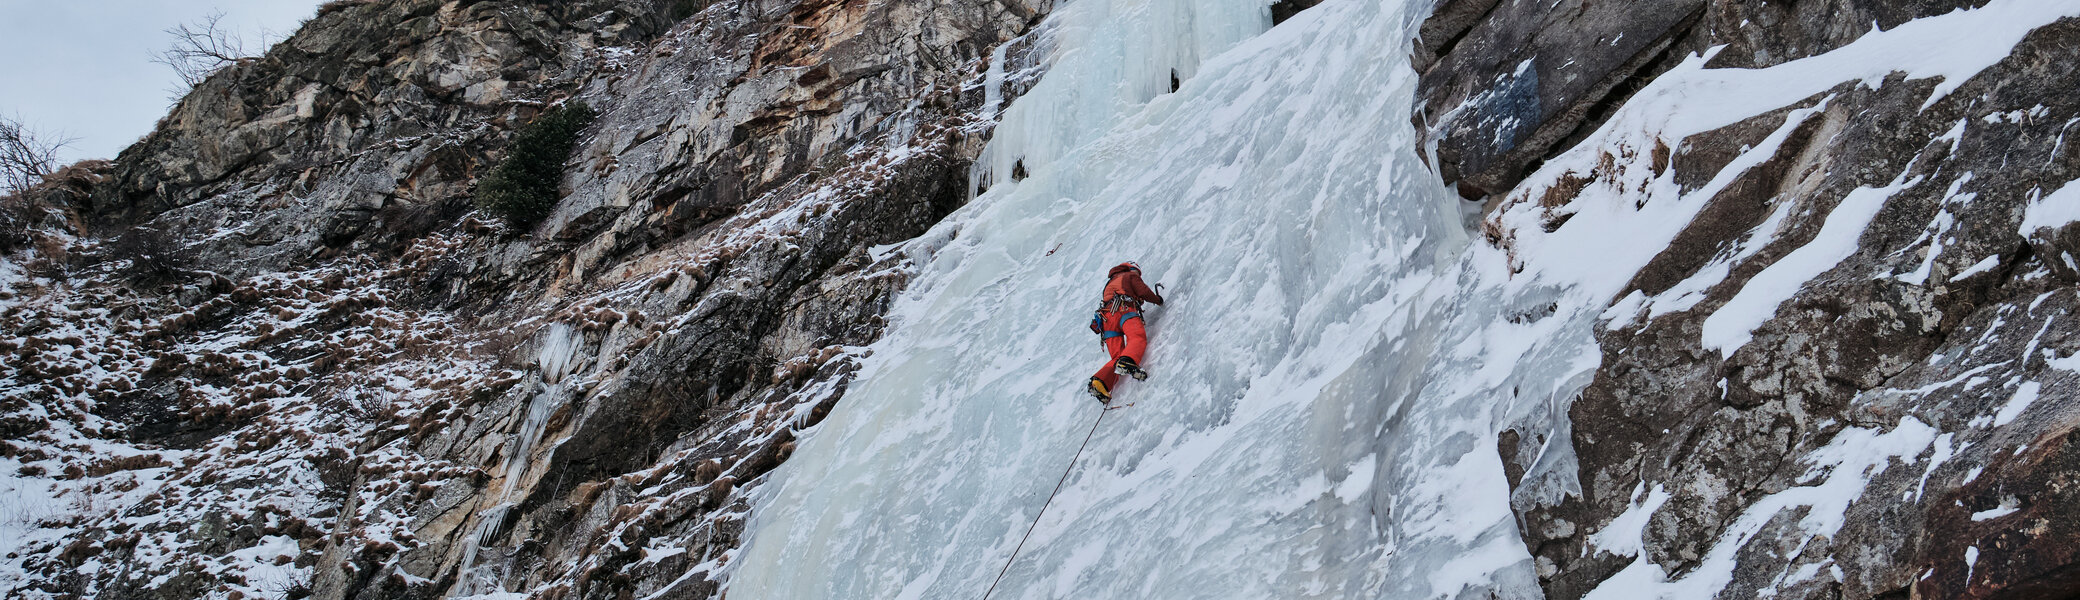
x=270, y=351
x=1870, y=270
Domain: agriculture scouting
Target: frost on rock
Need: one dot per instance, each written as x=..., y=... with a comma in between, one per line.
x=237, y=493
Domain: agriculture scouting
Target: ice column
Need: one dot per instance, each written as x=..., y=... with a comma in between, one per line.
x=556, y=357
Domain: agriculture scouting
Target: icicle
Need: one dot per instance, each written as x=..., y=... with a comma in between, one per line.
x=556, y=356
x=1124, y=52
x=558, y=352
x=993, y=82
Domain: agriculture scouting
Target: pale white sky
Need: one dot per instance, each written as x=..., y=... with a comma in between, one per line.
x=83, y=68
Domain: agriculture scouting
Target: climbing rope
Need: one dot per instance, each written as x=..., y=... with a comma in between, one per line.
x=1043, y=506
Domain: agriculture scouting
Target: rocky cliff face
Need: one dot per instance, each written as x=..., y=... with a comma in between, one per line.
x=1507, y=85
x=270, y=351
x=1924, y=316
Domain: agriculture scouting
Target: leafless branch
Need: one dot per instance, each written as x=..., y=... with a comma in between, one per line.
x=202, y=48
x=25, y=156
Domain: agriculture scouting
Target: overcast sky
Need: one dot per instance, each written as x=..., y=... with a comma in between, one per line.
x=83, y=68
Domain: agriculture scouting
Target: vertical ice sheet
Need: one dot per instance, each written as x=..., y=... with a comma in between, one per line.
x=1120, y=54
x=1329, y=374
x=557, y=356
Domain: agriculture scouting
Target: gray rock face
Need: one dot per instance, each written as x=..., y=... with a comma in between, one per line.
x=1507, y=84
x=1946, y=327
x=346, y=384
x=373, y=119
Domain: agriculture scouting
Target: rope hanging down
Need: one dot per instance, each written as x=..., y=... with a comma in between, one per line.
x=1043, y=506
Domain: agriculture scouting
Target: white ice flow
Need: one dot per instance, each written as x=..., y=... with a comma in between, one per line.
x=1336, y=358
x=1290, y=443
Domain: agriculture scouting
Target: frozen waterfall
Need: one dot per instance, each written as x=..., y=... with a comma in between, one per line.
x=1329, y=375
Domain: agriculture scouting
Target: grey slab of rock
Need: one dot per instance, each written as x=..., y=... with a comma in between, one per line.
x=1507, y=84
x=1941, y=318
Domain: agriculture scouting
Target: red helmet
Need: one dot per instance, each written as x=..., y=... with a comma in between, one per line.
x=1124, y=267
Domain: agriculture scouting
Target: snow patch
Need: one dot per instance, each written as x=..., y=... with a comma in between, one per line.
x=1984, y=265
x=1843, y=469
x=2025, y=394
x=2055, y=209
x=2009, y=505
x=1625, y=535
x=1733, y=325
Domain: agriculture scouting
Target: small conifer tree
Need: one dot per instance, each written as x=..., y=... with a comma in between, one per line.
x=681, y=9
x=522, y=188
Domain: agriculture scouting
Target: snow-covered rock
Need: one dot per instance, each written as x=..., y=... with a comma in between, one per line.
x=1832, y=271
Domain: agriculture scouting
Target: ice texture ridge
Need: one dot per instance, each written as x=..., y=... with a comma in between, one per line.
x=1329, y=372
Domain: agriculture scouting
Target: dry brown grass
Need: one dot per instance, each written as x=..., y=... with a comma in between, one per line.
x=340, y=5
x=719, y=492
x=707, y=471
x=126, y=463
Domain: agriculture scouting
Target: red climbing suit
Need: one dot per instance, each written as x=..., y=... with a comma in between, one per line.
x=1119, y=322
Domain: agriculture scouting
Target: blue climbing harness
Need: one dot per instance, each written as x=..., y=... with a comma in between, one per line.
x=1117, y=330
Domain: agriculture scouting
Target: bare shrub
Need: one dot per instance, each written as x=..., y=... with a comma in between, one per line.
x=105, y=467
x=203, y=48
x=14, y=223
x=26, y=156
x=296, y=586
x=52, y=254
x=152, y=256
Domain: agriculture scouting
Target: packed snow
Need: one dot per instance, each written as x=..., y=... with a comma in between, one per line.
x=2054, y=209
x=1734, y=323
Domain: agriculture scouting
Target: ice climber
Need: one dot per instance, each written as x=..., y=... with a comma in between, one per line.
x=1119, y=326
